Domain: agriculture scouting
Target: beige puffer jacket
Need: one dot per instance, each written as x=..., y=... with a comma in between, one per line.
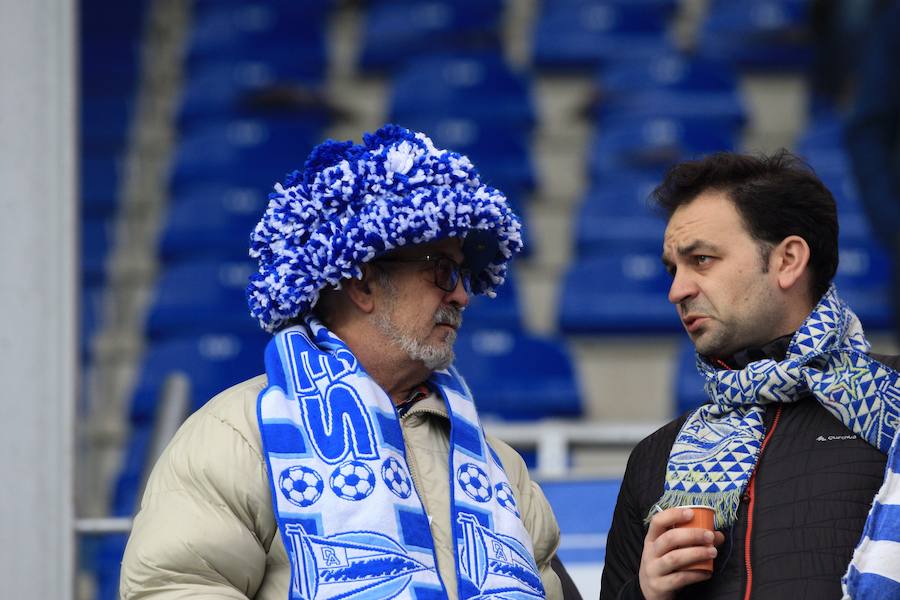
x=206, y=528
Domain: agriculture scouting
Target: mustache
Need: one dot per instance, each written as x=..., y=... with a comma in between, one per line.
x=448, y=315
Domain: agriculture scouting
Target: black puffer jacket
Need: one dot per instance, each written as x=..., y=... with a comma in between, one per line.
x=815, y=481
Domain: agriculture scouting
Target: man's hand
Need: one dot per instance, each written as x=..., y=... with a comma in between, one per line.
x=667, y=551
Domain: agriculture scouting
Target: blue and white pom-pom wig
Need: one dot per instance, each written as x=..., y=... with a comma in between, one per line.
x=352, y=203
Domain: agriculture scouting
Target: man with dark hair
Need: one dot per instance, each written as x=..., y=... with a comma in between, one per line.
x=356, y=467
x=791, y=447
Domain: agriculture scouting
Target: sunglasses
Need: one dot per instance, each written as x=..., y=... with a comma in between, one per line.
x=447, y=272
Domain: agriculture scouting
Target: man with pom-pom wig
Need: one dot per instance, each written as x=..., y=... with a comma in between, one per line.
x=356, y=466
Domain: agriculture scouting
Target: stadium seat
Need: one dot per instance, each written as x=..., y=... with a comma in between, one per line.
x=669, y=71
x=770, y=34
x=249, y=152
x=616, y=215
x=396, y=30
x=501, y=312
x=620, y=294
x=282, y=31
x=213, y=221
x=201, y=296
x=249, y=88
x=96, y=239
x=211, y=362
x=517, y=376
x=712, y=110
x=583, y=532
x=862, y=281
x=591, y=33
x=643, y=142
x=480, y=87
x=100, y=180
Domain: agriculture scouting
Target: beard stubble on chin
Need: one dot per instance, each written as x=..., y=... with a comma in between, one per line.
x=434, y=356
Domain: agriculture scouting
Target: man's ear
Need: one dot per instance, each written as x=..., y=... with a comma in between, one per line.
x=360, y=292
x=790, y=260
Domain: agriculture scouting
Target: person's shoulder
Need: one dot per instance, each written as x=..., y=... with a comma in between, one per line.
x=233, y=409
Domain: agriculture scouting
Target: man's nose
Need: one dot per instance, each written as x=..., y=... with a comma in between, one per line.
x=683, y=288
x=459, y=296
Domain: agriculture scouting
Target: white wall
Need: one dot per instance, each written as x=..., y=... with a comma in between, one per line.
x=37, y=296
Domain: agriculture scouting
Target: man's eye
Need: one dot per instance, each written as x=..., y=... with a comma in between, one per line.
x=702, y=259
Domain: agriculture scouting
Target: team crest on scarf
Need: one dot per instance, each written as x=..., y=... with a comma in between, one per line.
x=348, y=512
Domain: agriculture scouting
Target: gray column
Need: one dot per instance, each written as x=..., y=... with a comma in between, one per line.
x=38, y=259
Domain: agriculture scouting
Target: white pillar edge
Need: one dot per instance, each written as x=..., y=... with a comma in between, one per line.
x=38, y=298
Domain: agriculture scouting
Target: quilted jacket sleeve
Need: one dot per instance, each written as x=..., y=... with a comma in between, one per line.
x=205, y=522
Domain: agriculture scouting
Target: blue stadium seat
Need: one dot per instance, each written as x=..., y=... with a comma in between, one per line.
x=669, y=71
x=211, y=362
x=583, y=531
x=213, y=221
x=517, y=376
x=688, y=382
x=289, y=32
x=501, y=312
x=246, y=88
x=100, y=180
x=251, y=152
x=480, y=87
x=105, y=121
x=769, y=34
x=624, y=293
x=711, y=110
x=592, y=33
x=201, y=296
x=654, y=142
x=96, y=239
x=862, y=281
x=399, y=29
x=617, y=216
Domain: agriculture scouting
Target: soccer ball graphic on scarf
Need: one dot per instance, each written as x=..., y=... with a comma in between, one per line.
x=474, y=482
x=301, y=485
x=395, y=477
x=352, y=480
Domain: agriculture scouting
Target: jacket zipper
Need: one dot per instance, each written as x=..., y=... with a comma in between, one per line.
x=750, y=496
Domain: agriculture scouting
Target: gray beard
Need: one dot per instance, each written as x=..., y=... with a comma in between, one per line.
x=434, y=357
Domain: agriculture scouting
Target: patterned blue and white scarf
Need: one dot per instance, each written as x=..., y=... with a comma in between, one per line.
x=350, y=516
x=715, y=453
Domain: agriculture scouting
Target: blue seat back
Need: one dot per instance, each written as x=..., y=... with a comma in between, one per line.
x=517, y=376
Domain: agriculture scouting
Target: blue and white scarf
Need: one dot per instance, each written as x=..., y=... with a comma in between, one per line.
x=350, y=516
x=715, y=453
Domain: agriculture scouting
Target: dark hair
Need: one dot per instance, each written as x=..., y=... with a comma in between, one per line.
x=777, y=196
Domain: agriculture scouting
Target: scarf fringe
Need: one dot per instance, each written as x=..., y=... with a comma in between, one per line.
x=724, y=503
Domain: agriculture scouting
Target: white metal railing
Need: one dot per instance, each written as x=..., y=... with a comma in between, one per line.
x=554, y=439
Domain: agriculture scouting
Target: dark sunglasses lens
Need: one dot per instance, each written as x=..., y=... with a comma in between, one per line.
x=446, y=274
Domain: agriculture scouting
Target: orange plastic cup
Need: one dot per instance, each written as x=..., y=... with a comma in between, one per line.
x=704, y=518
